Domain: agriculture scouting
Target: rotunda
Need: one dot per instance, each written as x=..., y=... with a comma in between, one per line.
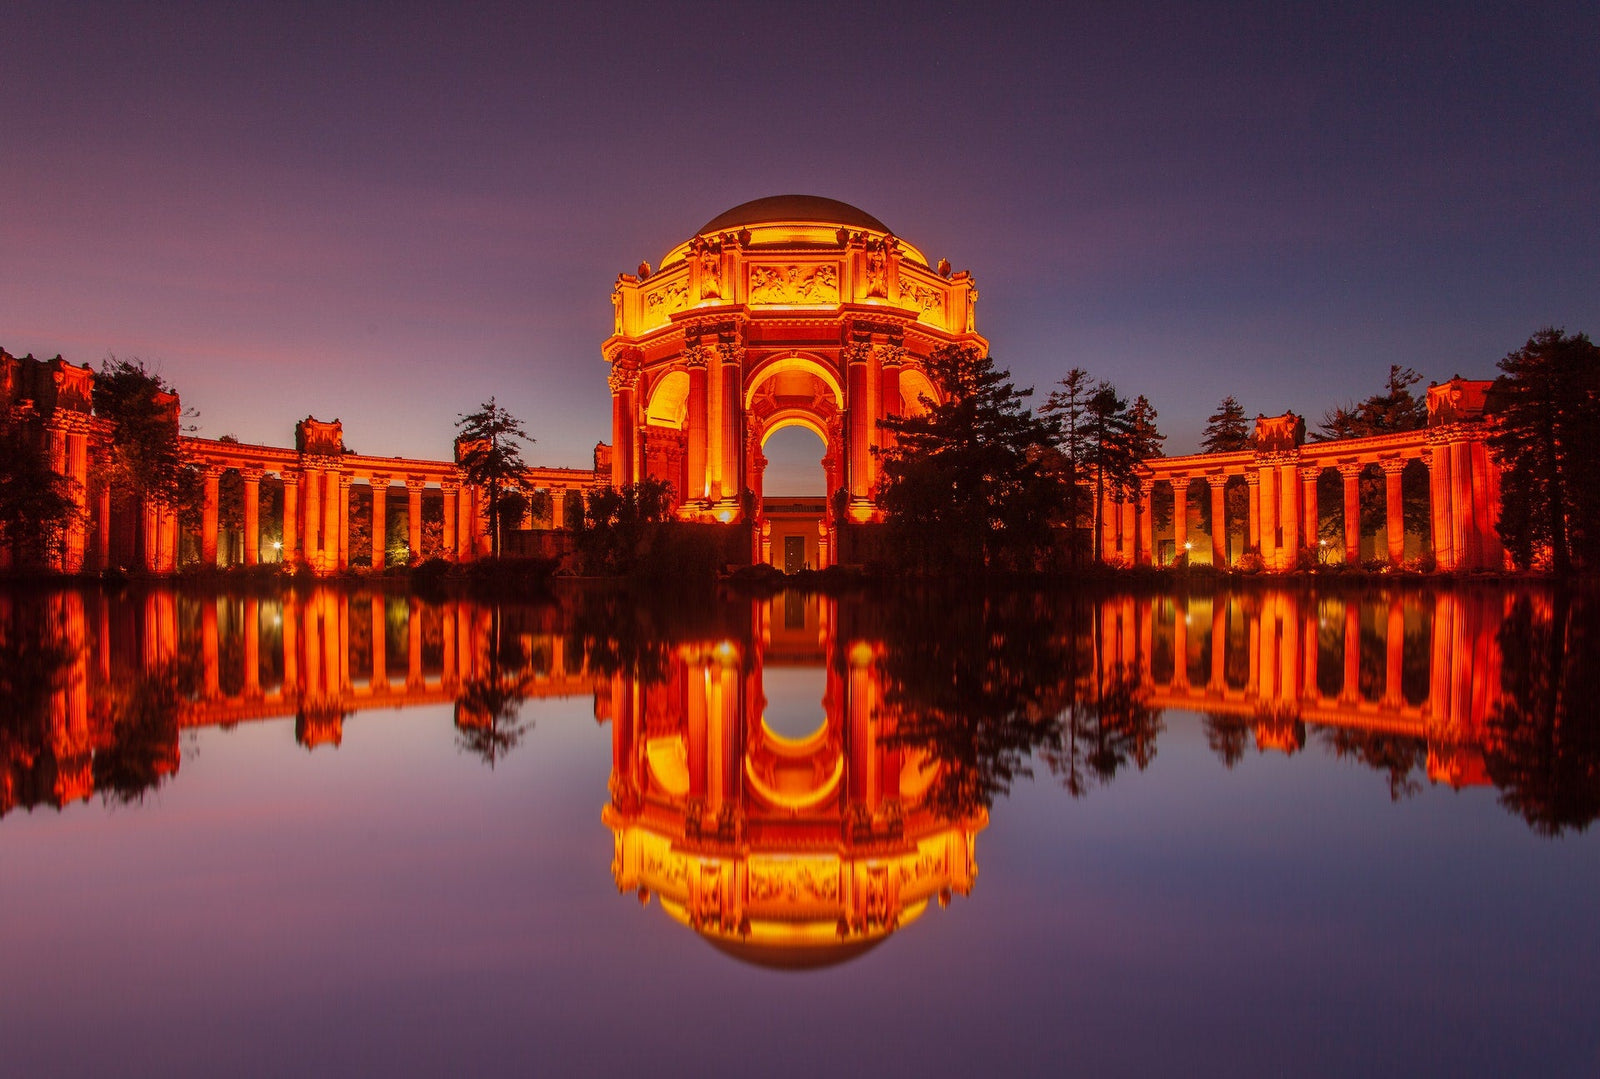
x=792, y=310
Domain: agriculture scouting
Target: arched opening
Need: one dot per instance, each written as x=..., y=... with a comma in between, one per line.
x=669, y=401
x=794, y=489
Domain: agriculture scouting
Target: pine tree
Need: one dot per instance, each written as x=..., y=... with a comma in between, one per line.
x=488, y=452
x=968, y=484
x=1547, y=411
x=1227, y=430
x=1113, y=453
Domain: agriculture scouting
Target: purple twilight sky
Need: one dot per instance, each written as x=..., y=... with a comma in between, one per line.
x=386, y=214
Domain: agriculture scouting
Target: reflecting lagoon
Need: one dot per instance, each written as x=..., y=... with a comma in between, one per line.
x=1258, y=831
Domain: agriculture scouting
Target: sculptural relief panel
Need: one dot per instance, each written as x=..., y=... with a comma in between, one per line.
x=771, y=284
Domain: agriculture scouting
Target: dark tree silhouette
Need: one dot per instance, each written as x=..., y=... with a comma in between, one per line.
x=489, y=719
x=1114, y=444
x=145, y=459
x=35, y=502
x=1227, y=430
x=491, y=455
x=1546, y=406
x=1543, y=750
x=968, y=484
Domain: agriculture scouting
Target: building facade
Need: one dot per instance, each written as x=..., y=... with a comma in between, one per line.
x=785, y=311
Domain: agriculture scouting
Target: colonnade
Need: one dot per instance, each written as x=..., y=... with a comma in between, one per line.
x=1282, y=473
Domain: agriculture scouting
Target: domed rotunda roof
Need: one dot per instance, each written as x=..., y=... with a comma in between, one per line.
x=808, y=209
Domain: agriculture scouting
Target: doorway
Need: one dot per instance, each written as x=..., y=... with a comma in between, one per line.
x=794, y=554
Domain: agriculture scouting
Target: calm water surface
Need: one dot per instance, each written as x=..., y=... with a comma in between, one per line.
x=337, y=831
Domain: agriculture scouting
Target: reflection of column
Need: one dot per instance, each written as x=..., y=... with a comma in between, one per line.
x=291, y=645
x=252, y=514
x=414, y=644
x=208, y=647
x=1394, y=505
x=1352, y=651
x=451, y=634
x=1394, y=653
x=208, y=517
x=252, y=647
x=1219, y=520
x=1351, y=475
x=1180, y=641
x=414, y=486
x=1219, y=642
x=291, y=515
x=380, y=519
x=380, y=644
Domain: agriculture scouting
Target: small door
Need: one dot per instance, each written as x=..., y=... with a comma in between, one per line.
x=794, y=553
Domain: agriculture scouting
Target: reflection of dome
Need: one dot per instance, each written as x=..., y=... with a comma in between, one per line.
x=800, y=209
x=794, y=957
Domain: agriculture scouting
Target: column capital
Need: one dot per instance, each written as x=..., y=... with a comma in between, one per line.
x=1253, y=478
x=450, y=486
x=1394, y=465
x=211, y=470
x=1310, y=473
x=345, y=479
x=1219, y=479
x=694, y=357
x=379, y=479
x=416, y=483
x=290, y=478
x=252, y=474
x=624, y=376
x=1351, y=469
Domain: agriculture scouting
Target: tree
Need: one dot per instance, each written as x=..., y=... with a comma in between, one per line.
x=1226, y=431
x=35, y=502
x=1068, y=406
x=1395, y=409
x=619, y=524
x=1113, y=454
x=1546, y=407
x=967, y=484
x=146, y=460
x=490, y=454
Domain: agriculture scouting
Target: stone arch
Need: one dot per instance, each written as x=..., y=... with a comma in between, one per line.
x=669, y=400
x=795, y=417
x=915, y=385
x=774, y=367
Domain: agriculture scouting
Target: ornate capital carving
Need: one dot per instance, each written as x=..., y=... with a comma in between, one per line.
x=416, y=483
x=730, y=352
x=1217, y=480
x=1310, y=473
x=624, y=376
x=694, y=356
x=379, y=479
x=1351, y=469
x=1393, y=465
x=251, y=474
x=1253, y=478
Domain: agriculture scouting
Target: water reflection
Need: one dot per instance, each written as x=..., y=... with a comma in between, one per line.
x=930, y=707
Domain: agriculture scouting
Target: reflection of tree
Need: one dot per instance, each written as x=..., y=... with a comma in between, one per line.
x=977, y=683
x=1103, y=730
x=143, y=751
x=34, y=657
x=489, y=719
x=1405, y=759
x=1227, y=735
x=1543, y=748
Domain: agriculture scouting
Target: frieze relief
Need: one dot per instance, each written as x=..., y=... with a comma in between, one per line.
x=663, y=301
x=927, y=301
x=794, y=284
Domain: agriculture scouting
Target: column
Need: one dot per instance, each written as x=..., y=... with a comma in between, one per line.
x=1127, y=544
x=252, y=514
x=1252, y=536
x=624, y=378
x=102, y=530
x=1350, y=473
x=1108, y=526
x=343, y=529
x=1394, y=505
x=208, y=517
x=1486, y=542
x=1460, y=504
x=77, y=527
x=313, y=517
x=291, y=517
x=1219, y=520
x=696, y=423
x=1438, y=459
x=414, y=486
x=732, y=442
x=452, y=505
x=380, y=520
x=860, y=424
x=1311, y=522
x=874, y=413
x=466, y=508
x=1289, y=517
x=1268, y=517
x=1180, y=516
x=889, y=400
x=1144, y=553
x=330, y=521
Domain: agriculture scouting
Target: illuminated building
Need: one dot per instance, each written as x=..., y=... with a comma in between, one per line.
x=785, y=311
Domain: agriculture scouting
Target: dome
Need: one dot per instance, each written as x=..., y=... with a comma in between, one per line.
x=810, y=209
